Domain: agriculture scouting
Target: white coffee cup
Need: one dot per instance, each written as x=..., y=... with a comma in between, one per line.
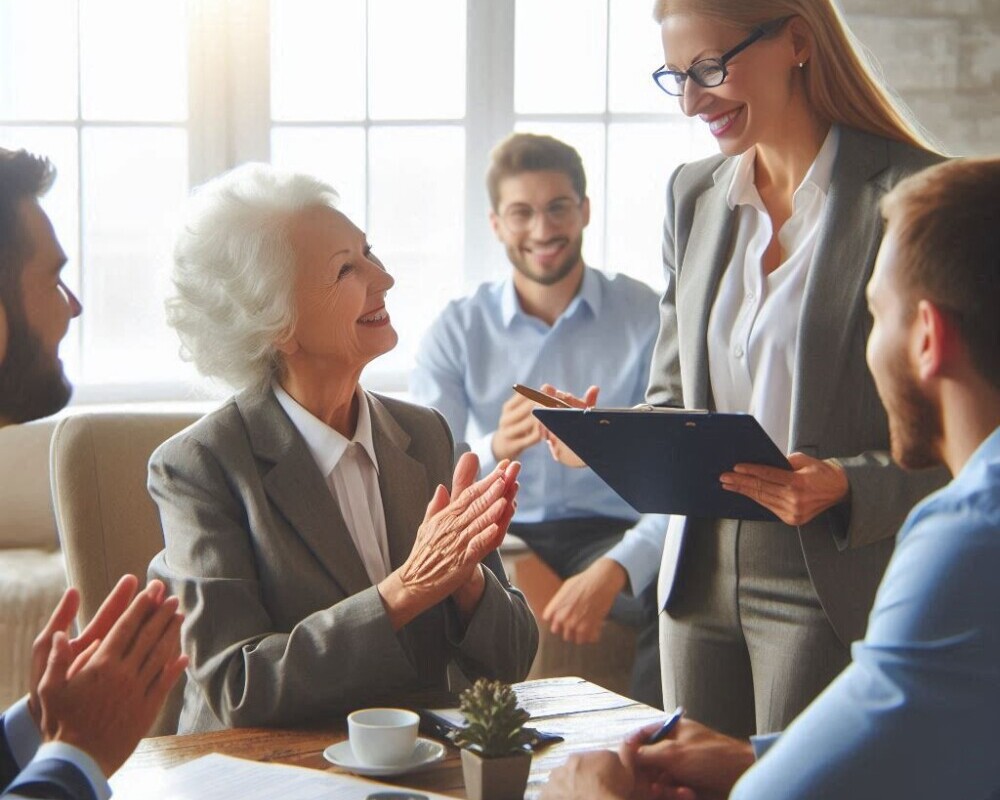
x=382, y=737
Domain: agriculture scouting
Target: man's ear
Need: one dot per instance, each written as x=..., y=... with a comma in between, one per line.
x=495, y=224
x=933, y=340
x=585, y=211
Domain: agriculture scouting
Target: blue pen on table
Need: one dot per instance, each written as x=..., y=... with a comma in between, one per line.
x=663, y=731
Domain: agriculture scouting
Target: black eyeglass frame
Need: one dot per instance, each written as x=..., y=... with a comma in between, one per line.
x=679, y=77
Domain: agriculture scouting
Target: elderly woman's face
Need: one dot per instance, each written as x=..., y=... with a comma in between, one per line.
x=340, y=291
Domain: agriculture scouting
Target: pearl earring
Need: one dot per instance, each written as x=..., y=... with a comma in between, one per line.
x=802, y=64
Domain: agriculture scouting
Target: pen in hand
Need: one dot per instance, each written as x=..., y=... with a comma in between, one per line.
x=663, y=731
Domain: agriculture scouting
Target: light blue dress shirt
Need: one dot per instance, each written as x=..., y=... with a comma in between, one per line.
x=483, y=344
x=917, y=713
x=25, y=743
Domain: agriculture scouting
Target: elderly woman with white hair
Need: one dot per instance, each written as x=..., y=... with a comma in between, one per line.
x=320, y=560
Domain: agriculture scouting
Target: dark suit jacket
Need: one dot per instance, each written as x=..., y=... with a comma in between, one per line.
x=49, y=778
x=836, y=411
x=283, y=624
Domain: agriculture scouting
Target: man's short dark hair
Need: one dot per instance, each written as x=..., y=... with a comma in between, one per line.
x=946, y=220
x=23, y=176
x=530, y=152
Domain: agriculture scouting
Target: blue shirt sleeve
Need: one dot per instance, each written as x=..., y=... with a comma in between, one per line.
x=438, y=381
x=23, y=736
x=64, y=766
x=915, y=714
x=640, y=551
x=35, y=759
x=761, y=744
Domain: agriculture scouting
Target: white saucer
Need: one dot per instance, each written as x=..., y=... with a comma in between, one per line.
x=425, y=753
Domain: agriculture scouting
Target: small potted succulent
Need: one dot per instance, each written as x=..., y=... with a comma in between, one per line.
x=495, y=755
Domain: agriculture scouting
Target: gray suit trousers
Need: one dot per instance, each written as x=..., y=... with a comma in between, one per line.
x=744, y=643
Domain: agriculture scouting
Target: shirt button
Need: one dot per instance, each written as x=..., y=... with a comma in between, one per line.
x=738, y=352
x=750, y=297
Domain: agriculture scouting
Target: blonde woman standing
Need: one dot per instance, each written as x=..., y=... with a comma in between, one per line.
x=767, y=250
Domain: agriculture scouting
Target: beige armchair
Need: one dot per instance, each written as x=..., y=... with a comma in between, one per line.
x=32, y=576
x=108, y=524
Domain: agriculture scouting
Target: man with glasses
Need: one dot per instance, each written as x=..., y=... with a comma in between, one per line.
x=554, y=320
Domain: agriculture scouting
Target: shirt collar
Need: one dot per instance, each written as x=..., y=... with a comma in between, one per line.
x=590, y=295
x=742, y=190
x=326, y=445
x=987, y=453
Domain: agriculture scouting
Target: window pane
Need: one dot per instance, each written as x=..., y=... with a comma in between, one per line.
x=38, y=46
x=61, y=204
x=135, y=182
x=134, y=60
x=641, y=158
x=560, y=56
x=417, y=213
x=587, y=138
x=416, y=59
x=636, y=50
x=317, y=59
x=335, y=155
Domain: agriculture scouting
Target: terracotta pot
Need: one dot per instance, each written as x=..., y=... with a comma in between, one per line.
x=502, y=778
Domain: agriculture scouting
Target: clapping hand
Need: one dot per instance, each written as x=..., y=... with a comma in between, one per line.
x=104, y=697
x=459, y=530
x=111, y=609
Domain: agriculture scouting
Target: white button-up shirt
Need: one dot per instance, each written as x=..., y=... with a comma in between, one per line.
x=753, y=327
x=351, y=472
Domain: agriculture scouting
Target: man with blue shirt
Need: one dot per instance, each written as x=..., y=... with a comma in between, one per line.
x=915, y=714
x=94, y=696
x=557, y=321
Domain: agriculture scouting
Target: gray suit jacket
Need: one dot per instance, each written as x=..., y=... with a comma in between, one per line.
x=836, y=412
x=283, y=624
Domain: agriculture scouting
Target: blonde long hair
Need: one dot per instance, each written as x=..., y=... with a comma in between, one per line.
x=841, y=83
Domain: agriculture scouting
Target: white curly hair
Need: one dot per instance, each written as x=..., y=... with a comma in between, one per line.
x=234, y=271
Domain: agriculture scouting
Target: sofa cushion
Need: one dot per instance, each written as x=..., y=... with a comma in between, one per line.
x=31, y=583
x=26, y=515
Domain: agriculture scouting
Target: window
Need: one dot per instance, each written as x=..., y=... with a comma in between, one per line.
x=110, y=110
x=395, y=103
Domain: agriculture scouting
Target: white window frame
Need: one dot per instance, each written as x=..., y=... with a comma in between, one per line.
x=229, y=122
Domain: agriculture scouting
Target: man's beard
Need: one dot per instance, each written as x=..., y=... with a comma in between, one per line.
x=520, y=263
x=32, y=384
x=914, y=422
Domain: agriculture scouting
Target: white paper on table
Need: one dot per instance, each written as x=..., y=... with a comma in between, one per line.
x=219, y=777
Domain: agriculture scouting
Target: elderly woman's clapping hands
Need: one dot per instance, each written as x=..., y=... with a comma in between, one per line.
x=460, y=528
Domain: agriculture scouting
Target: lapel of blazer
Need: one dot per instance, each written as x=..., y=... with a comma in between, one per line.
x=835, y=286
x=402, y=481
x=298, y=490
x=703, y=261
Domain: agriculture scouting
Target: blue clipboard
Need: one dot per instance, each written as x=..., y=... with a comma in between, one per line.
x=668, y=461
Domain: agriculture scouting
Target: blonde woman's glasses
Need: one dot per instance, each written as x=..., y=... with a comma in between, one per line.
x=712, y=72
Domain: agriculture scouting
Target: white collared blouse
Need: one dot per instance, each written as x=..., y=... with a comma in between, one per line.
x=754, y=323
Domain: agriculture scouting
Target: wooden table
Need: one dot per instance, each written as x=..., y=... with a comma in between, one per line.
x=588, y=716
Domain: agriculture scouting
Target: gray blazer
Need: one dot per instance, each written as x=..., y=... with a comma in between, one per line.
x=836, y=412
x=283, y=624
